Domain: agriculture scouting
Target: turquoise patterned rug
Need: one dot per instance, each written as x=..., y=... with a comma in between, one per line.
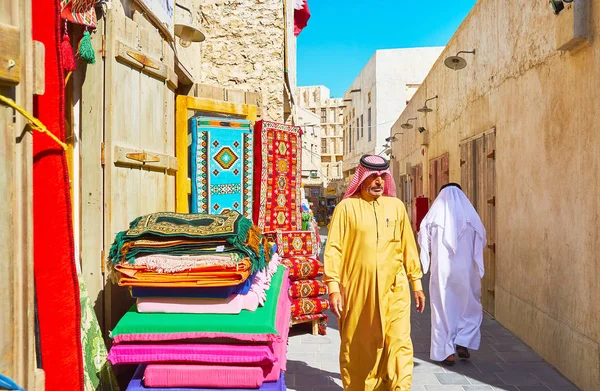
x=221, y=165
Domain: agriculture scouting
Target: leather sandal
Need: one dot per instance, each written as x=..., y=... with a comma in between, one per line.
x=447, y=362
x=463, y=352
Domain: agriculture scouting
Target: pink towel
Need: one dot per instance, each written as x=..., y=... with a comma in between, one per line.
x=202, y=376
x=192, y=353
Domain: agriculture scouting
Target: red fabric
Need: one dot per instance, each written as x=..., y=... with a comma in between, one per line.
x=309, y=306
x=56, y=281
x=307, y=288
x=277, y=176
x=301, y=17
x=301, y=268
x=296, y=243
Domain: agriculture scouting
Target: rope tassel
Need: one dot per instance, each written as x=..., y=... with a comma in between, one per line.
x=86, y=50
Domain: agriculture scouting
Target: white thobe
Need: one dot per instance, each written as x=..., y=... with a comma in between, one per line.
x=455, y=294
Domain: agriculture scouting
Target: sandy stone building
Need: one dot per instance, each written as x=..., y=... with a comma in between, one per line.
x=517, y=127
x=377, y=96
x=329, y=110
x=252, y=49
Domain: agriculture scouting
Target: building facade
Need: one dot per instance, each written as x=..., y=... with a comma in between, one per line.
x=377, y=96
x=312, y=178
x=518, y=128
x=329, y=112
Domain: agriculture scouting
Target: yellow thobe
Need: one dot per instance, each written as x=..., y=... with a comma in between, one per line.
x=370, y=256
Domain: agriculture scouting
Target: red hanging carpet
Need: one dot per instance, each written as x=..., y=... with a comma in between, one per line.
x=56, y=281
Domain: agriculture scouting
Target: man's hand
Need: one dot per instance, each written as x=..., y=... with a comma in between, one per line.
x=335, y=303
x=419, y=300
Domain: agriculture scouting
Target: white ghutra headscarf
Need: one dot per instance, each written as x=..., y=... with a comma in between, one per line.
x=453, y=213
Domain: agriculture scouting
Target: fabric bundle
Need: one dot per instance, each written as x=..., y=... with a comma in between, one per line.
x=204, y=317
x=298, y=250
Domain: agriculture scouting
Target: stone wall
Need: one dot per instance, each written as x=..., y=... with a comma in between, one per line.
x=244, y=49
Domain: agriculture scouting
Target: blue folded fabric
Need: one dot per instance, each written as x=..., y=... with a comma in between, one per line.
x=200, y=292
x=136, y=384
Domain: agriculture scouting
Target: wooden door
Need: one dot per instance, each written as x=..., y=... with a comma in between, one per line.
x=139, y=138
x=19, y=83
x=478, y=180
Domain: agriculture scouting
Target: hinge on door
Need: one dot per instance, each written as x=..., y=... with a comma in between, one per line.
x=492, y=155
x=103, y=50
x=492, y=247
x=102, y=262
x=462, y=162
x=492, y=201
x=492, y=292
x=102, y=154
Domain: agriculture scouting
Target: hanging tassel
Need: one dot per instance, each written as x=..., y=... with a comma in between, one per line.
x=86, y=51
x=66, y=53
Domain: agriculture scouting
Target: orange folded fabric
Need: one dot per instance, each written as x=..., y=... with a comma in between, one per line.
x=209, y=276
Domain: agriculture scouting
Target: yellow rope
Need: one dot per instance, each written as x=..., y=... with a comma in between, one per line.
x=33, y=122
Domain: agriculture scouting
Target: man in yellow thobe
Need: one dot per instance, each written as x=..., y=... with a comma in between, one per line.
x=370, y=258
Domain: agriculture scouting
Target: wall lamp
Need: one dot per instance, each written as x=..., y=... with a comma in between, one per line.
x=393, y=137
x=557, y=5
x=457, y=62
x=426, y=109
x=406, y=125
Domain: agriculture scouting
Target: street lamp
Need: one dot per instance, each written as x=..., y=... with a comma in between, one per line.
x=406, y=125
x=426, y=109
x=393, y=137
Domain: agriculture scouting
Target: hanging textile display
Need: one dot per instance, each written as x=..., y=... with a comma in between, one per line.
x=277, y=180
x=221, y=165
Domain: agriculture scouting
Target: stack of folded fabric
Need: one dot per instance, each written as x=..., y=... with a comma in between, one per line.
x=210, y=312
x=299, y=250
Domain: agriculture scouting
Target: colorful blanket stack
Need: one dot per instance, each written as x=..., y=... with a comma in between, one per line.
x=299, y=250
x=210, y=312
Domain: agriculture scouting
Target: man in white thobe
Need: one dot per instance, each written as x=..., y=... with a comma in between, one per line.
x=454, y=234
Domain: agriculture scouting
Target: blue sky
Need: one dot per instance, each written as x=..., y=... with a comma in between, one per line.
x=341, y=36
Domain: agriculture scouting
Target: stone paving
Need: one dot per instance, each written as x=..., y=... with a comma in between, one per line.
x=502, y=363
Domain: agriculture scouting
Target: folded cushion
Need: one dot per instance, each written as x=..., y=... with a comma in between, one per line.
x=191, y=353
x=203, y=376
x=200, y=292
x=249, y=326
x=136, y=384
x=302, y=268
x=309, y=305
x=307, y=288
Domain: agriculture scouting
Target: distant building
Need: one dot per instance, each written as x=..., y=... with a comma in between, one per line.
x=329, y=113
x=377, y=97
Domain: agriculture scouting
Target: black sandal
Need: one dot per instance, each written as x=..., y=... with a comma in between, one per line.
x=463, y=352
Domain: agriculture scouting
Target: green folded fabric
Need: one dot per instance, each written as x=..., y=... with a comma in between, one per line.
x=261, y=321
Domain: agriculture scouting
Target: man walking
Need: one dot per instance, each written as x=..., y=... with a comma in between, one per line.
x=452, y=231
x=370, y=257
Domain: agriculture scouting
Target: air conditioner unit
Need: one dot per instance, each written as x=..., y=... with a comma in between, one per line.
x=314, y=174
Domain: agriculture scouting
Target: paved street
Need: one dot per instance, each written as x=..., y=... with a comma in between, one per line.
x=502, y=363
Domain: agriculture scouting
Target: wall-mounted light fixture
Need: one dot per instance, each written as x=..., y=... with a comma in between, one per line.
x=426, y=109
x=393, y=138
x=184, y=27
x=457, y=62
x=407, y=125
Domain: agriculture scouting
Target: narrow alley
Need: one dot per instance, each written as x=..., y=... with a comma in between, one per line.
x=503, y=363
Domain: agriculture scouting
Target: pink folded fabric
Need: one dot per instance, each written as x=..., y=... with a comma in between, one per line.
x=202, y=376
x=234, y=304
x=193, y=353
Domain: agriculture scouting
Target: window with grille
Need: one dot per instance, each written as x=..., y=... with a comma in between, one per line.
x=323, y=116
x=357, y=128
x=362, y=127
x=323, y=145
